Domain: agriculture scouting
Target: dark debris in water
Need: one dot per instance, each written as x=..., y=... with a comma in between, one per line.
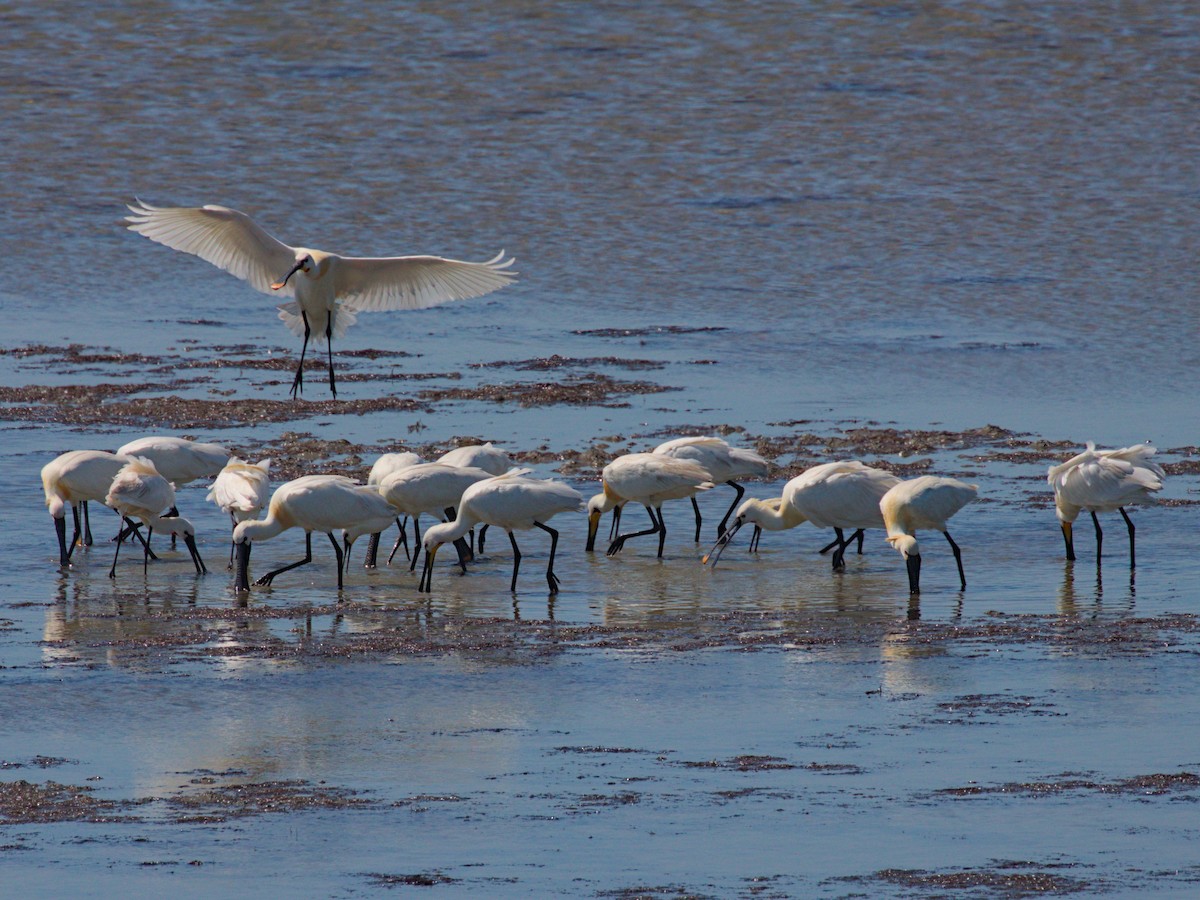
x=24, y=803
x=1156, y=785
x=652, y=331
x=416, y=879
x=583, y=390
x=220, y=802
x=554, y=361
x=1002, y=879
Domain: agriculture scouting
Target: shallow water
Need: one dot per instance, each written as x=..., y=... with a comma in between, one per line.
x=874, y=213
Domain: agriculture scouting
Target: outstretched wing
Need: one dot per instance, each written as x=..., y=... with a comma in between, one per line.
x=371, y=284
x=228, y=239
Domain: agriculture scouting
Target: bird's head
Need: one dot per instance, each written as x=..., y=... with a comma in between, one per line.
x=306, y=262
x=906, y=544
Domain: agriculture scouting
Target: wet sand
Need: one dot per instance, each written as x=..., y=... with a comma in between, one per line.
x=658, y=729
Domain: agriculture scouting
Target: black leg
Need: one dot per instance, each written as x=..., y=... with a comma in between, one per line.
x=1099, y=536
x=958, y=559
x=619, y=542
x=754, y=539
x=76, y=533
x=662, y=531
x=341, y=559
x=372, y=551
x=732, y=506
x=134, y=528
x=839, y=555
x=1129, y=525
x=112, y=573
x=87, y=526
x=512, y=539
x=615, y=524
x=270, y=576
x=835, y=542
x=482, y=534
x=412, y=567
x=329, y=344
x=233, y=519
x=551, y=578
x=696, y=508
x=298, y=381
x=860, y=534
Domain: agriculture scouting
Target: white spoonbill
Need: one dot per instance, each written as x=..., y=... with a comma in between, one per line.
x=513, y=502
x=140, y=492
x=723, y=463
x=179, y=460
x=240, y=490
x=313, y=503
x=835, y=495
x=478, y=456
x=650, y=479
x=331, y=289
x=381, y=469
x=925, y=502
x=72, y=479
x=1101, y=481
x=430, y=488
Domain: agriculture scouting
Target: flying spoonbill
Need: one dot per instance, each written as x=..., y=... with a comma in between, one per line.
x=330, y=290
x=1101, y=481
x=724, y=464
x=382, y=468
x=925, y=502
x=240, y=490
x=513, y=502
x=649, y=479
x=313, y=503
x=139, y=491
x=835, y=495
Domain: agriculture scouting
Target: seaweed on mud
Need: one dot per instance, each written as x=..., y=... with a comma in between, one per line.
x=554, y=361
x=1002, y=879
x=648, y=332
x=582, y=390
x=417, y=879
x=743, y=763
x=220, y=802
x=25, y=803
x=1156, y=785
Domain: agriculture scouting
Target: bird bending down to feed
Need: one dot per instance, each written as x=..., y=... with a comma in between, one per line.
x=313, y=503
x=241, y=490
x=478, y=456
x=139, y=492
x=925, y=502
x=1101, y=481
x=327, y=291
x=835, y=495
x=178, y=460
x=72, y=479
x=381, y=469
x=723, y=463
x=430, y=488
x=650, y=479
x=513, y=502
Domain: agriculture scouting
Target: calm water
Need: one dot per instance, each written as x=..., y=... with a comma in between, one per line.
x=959, y=215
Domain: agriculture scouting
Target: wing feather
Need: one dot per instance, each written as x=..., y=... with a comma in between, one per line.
x=372, y=284
x=228, y=239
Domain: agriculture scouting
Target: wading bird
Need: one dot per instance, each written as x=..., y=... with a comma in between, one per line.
x=512, y=502
x=139, y=492
x=925, y=502
x=835, y=495
x=328, y=290
x=325, y=503
x=382, y=468
x=178, y=460
x=478, y=456
x=73, y=479
x=241, y=489
x=649, y=479
x=430, y=488
x=723, y=463
x=1101, y=481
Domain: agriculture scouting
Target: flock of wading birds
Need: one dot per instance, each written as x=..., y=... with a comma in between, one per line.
x=477, y=486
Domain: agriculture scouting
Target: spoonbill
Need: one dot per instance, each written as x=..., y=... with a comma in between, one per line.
x=72, y=479
x=835, y=495
x=313, y=503
x=650, y=479
x=925, y=502
x=178, y=460
x=240, y=490
x=382, y=468
x=723, y=463
x=331, y=290
x=513, y=502
x=479, y=456
x=1101, y=481
x=430, y=488
x=139, y=492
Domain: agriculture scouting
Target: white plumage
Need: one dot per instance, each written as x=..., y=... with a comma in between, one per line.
x=650, y=479
x=139, y=492
x=478, y=456
x=177, y=459
x=71, y=480
x=330, y=289
x=325, y=503
x=428, y=488
x=724, y=464
x=513, y=502
x=387, y=464
x=240, y=490
x=1103, y=481
x=925, y=502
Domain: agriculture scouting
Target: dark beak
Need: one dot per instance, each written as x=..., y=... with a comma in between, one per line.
x=425, y=585
x=278, y=285
x=190, y=540
x=241, y=581
x=914, y=573
x=593, y=527
x=719, y=547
